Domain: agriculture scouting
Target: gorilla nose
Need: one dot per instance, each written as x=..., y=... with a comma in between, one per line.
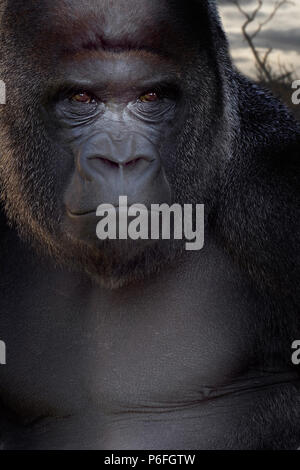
x=106, y=157
x=108, y=168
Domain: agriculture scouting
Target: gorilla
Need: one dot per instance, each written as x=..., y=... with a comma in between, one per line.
x=122, y=344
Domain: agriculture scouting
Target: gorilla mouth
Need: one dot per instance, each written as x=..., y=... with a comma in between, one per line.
x=73, y=214
x=82, y=213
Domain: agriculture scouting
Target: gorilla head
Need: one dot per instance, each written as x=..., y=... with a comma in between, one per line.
x=105, y=99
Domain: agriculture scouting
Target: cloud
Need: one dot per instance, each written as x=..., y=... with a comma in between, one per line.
x=283, y=40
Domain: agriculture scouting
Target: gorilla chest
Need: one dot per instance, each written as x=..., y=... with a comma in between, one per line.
x=72, y=348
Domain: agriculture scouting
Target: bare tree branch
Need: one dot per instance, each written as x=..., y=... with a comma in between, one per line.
x=261, y=62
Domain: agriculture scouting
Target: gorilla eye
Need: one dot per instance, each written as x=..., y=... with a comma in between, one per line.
x=149, y=97
x=83, y=97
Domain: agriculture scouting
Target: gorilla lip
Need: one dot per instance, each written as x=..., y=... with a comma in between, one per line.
x=74, y=214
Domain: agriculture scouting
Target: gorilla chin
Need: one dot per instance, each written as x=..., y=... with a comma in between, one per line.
x=113, y=263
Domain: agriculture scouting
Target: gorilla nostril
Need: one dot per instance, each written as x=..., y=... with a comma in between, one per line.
x=105, y=161
x=108, y=162
x=133, y=162
x=117, y=163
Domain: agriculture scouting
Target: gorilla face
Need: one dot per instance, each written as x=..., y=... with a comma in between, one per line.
x=108, y=105
x=115, y=115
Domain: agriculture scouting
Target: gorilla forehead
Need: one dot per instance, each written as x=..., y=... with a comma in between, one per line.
x=160, y=25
